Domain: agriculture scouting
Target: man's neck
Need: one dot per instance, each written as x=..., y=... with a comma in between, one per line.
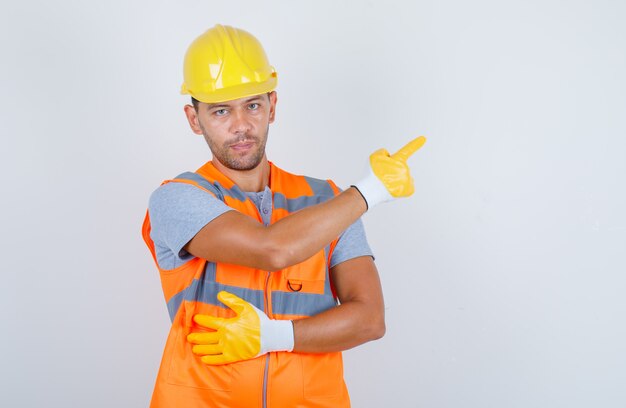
x=253, y=180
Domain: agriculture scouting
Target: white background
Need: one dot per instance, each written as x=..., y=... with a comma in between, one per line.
x=504, y=275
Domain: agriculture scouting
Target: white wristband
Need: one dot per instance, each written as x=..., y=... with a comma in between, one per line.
x=373, y=190
x=276, y=335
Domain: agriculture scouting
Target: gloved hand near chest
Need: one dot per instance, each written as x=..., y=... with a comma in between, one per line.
x=388, y=175
x=248, y=335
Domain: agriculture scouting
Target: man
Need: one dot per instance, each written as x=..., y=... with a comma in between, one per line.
x=267, y=275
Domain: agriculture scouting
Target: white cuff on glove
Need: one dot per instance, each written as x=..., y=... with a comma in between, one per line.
x=373, y=190
x=276, y=335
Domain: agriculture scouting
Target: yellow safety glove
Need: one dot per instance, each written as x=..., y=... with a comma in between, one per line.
x=388, y=175
x=248, y=335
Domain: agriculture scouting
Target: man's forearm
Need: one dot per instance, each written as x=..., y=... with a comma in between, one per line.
x=338, y=329
x=238, y=239
x=360, y=317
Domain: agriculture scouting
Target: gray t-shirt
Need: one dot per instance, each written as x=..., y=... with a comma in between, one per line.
x=178, y=211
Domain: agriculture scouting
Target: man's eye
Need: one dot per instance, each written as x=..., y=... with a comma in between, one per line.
x=253, y=106
x=221, y=112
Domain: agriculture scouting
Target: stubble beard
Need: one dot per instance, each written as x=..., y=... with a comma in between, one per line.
x=230, y=159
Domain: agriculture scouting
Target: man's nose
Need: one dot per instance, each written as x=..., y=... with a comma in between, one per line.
x=240, y=123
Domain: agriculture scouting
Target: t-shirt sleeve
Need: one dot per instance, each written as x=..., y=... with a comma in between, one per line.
x=178, y=211
x=352, y=244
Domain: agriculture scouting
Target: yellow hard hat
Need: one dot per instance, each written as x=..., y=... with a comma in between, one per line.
x=226, y=63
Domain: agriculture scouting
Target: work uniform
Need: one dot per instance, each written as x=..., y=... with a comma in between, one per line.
x=190, y=285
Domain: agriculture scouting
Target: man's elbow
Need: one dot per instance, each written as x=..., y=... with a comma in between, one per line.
x=378, y=330
x=279, y=253
x=375, y=328
x=276, y=256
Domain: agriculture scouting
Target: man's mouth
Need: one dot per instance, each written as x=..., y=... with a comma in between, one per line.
x=240, y=146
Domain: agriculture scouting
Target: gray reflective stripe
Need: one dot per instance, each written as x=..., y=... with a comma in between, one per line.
x=234, y=192
x=295, y=204
x=202, y=182
x=206, y=291
x=210, y=272
x=322, y=191
x=294, y=303
x=320, y=187
x=174, y=304
x=216, y=187
x=298, y=303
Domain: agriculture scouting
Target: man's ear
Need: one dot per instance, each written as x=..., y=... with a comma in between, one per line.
x=273, y=99
x=192, y=118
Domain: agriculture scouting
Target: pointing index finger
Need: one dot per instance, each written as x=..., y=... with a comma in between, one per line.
x=410, y=148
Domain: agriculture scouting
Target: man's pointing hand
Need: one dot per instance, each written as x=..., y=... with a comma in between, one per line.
x=389, y=176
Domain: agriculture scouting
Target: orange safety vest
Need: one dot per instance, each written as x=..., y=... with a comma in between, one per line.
x=277, y=379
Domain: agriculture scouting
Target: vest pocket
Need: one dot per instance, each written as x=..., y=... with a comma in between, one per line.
x=306, y=277
x=303, y=289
